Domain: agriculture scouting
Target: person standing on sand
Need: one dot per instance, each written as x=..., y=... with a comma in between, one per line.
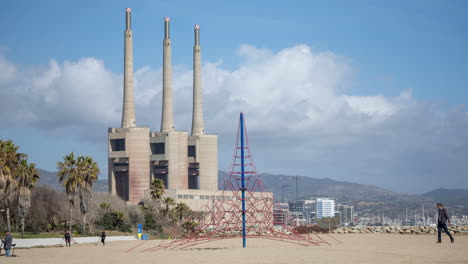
x=7, y=243
x=67, y=238
x=103, y=237
x=442, y=221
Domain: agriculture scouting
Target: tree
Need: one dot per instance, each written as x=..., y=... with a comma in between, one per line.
x=189, y=226
x=49, y=209
x=88, y=172
x=68, y=176
x=168, y=202
x=112, y=220
x=181, y=209
x=157, y=189
x=26, y=178
x=9, y=160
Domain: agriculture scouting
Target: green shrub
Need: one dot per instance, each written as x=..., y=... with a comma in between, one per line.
x=111, y=220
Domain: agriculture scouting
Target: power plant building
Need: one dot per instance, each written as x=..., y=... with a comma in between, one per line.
x=188, y=164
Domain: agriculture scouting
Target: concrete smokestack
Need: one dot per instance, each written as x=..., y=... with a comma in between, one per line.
x=197, y=119
x=128, y=113
x=167, y=120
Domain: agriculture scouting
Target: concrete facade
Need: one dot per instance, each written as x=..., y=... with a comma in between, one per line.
x=137, y=155
x=197, y=200
x=129, y=165
x=174, y=158
x=206, y=157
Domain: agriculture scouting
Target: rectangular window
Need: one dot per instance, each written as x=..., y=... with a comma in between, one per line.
x=192, y=152
x=157, y=148
x=117, y=144
x=193, y=181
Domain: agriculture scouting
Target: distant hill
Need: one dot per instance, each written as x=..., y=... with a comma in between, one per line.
x=50, y=178
x=454, y=197
x=311, y=187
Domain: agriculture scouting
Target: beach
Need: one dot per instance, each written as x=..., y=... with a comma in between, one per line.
x=354, y=248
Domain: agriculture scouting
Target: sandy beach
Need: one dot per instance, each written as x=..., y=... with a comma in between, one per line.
x=355, y=248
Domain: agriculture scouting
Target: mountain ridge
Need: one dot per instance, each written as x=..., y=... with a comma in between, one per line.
x=51, y=179
x=314, y=187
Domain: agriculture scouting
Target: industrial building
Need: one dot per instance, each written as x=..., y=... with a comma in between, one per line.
x=188, y=164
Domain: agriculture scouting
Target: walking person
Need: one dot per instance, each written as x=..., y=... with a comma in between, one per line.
x=7, y=241
x=442, y=221
x=67, y=238
x=103, y=237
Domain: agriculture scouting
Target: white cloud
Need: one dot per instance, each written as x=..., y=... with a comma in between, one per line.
x=8, y=71
x=300, y=117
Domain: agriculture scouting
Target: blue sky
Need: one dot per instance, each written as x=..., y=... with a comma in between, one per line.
x=385, y=48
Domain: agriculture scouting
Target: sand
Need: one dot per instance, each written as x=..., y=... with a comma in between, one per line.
x=356, y=248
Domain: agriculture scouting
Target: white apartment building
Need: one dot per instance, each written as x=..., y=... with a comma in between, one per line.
x=325, y=208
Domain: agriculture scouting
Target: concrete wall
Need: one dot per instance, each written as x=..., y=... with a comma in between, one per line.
x=176, y=149
x=35, y=242
x=137, y=151
x=207, y=155
x=199, y=200
x=207, y=158
x=176, y=155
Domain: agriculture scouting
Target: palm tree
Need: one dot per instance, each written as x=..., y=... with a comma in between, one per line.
x=157, y=189
x=68, y=176
x=9, y=159
x=88, y=172
x=27, y=177
x=168, y=202
x=181, y=209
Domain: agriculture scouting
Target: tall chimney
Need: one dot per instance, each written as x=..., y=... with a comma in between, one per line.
x=128, y=113
x=167, y=120
x=197, y=118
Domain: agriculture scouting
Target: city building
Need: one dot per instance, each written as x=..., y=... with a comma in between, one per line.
x=338, y=215
x=297, y=206
x=281, y=214
x=325, y=207
x=347, y=213
x=311, y=217
x=137, y=155
x=297, y=219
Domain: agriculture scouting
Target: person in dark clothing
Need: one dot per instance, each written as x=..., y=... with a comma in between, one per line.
x=7, y=241
x=442, y=221
x=67, y=238
x=103, y=237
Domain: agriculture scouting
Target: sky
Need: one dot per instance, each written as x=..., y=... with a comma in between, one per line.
x=373, y=92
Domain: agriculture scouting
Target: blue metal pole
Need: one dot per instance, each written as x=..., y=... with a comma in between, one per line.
x=244, y=242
